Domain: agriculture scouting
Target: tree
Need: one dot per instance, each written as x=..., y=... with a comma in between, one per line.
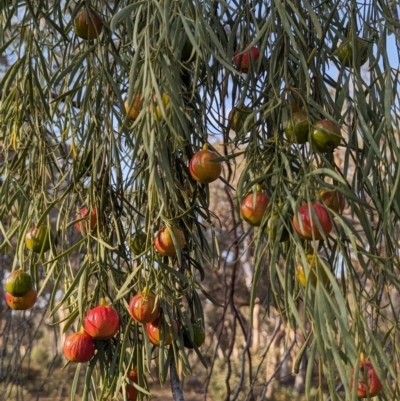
x=103, y=108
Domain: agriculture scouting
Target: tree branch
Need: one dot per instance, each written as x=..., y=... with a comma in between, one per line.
x=175, y=383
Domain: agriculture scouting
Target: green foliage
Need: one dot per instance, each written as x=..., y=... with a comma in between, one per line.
x=68, y=141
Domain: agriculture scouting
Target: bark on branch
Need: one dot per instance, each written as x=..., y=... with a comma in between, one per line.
x=175, y=383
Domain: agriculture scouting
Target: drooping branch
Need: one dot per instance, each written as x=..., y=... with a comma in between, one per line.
x=176, y=388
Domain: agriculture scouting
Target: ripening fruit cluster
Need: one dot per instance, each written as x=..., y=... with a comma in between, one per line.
x=311, y=221
x=324, y=135
x=146, y=309
x=101, y=323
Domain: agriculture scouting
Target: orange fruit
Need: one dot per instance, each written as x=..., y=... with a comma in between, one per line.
x=253, y=207
x=87, y=25
x=315, y=270
x=164, y=243
x=203, y=168
x=134, y=107
x=21, y=303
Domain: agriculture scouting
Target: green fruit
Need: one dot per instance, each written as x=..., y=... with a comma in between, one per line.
x=138, y=241
x=345, y=52
x=199, y=336
x=325, y=136
x=18, y=283
x=238, y=117
x=297, y=128
x=37, y=239
x=275, y=229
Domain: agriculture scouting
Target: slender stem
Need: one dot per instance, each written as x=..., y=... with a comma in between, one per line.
x=175, y=383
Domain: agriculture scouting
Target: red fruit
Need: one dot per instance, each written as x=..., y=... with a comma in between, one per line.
x=22, y=303
x=87, y=25
x=131, y=391
x=203, y=168
x=242, y=61
x=89, y=223
x=164, y=243
x=306, y=225
x=144, y=308
x=79, y=347
x=368, y=382
x=102, y=322
x=253, y=207
x=159, y=330
x=334, y=200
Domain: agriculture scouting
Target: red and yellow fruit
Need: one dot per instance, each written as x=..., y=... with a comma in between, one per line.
x=87, y=25
x=88, y=224
x=144, y=308
x=297, y=128
x=253, y=207
x=243, y=60
x=325, y=136
x=134, y=107
x=315, y=270
x=158, y=331
x=158, y=112
x=102, y=322
x=18, y=283
x=203, y=168
x=306, y=218
x=333, y=200
x=369, y=384
x=164, y=243
x=37, y=239
x=79, y=347
x=21, y=303
x=238, y=117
